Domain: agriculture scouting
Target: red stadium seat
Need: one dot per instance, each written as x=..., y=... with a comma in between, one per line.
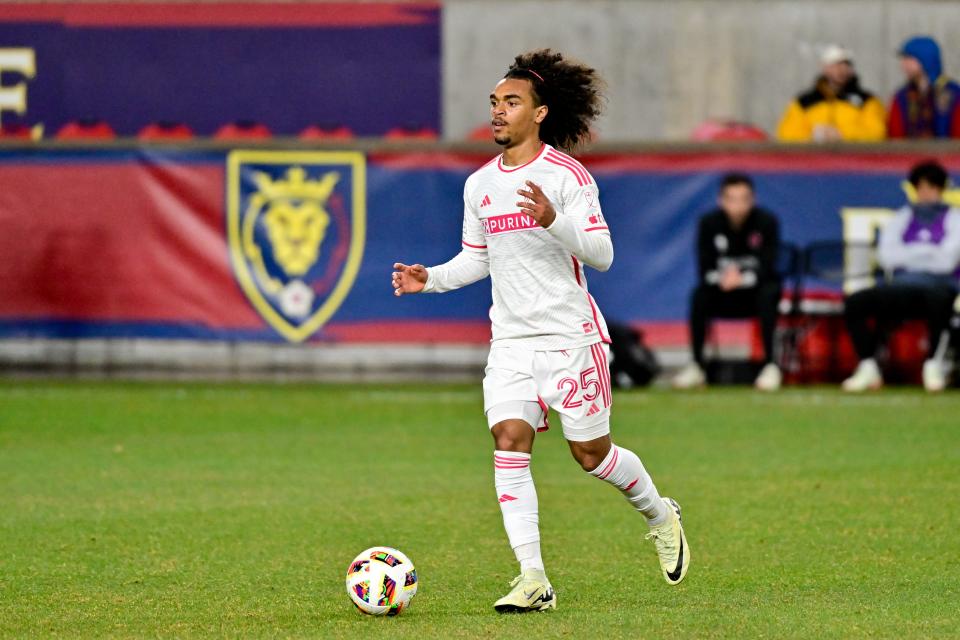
x=243, y=130
x=16, y=131
x=163, y=130
x=727, y=131
x=481, y=133
x=411, y=133
x=327, y=132
x=85, y=129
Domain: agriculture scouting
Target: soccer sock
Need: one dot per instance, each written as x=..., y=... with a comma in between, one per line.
x=623, y=469
x=518, y=504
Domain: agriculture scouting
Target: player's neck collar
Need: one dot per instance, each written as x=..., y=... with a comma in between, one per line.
x=509, y=168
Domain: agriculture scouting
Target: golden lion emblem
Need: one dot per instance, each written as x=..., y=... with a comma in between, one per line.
x=294, y=215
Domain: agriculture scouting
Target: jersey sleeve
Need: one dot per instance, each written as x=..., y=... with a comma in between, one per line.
x=468, y=266
x=472, y=238
x=580, y=225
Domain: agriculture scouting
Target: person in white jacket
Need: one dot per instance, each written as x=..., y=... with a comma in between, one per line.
x=532, y=222
x=919, y=250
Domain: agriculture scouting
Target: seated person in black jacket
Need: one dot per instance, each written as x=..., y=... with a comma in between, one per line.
x=737, y=247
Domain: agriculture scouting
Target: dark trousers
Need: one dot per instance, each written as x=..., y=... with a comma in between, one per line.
x=890, y=304
x=708, y=302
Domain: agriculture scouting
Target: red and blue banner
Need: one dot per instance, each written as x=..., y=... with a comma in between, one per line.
x=294, y=245
x=369, y=66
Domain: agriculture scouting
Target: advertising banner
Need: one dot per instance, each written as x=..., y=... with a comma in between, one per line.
x=294, y=245
x=285, y=65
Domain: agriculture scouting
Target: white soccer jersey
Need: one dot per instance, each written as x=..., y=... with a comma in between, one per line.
x=540, y=297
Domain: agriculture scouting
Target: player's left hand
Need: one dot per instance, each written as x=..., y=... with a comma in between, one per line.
x=537, y=205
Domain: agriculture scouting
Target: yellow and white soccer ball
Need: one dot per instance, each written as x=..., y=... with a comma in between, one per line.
x=381, y=581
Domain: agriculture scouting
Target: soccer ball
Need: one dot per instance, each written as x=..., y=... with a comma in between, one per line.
x=381, y=581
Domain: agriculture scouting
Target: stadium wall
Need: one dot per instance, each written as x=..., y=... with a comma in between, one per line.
x=163, y=259
x=673, y=65
x=670, y=65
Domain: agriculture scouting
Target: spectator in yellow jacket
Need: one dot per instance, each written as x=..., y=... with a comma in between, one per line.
x=836, y=108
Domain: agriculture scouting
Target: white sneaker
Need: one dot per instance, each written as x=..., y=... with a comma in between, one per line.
x=531, y=592
x=671, y=544
x=866, y=377
x=933, y=378
x=690, y=376
x=770, y=378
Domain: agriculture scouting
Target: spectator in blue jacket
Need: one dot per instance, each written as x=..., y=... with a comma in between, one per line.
x=920, y=250
x=928, y=105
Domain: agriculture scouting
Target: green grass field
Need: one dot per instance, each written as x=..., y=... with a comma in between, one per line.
x=198, y=510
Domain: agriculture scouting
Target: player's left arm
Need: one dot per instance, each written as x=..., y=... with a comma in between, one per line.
x=579, y=226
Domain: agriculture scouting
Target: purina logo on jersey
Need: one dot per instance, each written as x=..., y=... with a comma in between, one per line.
x=296, y=224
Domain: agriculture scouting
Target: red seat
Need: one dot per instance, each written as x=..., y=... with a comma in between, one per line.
x=166, y=131
x=243, y=130
x=86, y=129
x=16, y=131
x=327, y=132
x=482, y=133
x=411, y=133
x=727, y=131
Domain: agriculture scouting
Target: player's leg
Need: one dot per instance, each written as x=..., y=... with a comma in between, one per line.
x=767, y=297
x=701, y=302
x=622, y=468
x=859, y=310
x=934, y=305
x=584, y=411
x=513, y=434
x=514, y=415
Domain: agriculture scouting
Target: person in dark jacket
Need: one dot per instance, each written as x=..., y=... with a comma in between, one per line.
x=928, y=105
x=737, y=248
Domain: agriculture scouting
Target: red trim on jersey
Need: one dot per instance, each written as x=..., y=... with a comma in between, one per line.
x=500, y=161
x=490, y=161
x=566, y=166
x=606, y=374
x=567, y=160
x=473, y=246
x=593, y=306
x=603, y=370
x=546, y=410
x=596, y=228
x=582, y=176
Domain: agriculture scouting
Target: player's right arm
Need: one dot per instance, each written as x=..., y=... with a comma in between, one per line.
x=468, y=266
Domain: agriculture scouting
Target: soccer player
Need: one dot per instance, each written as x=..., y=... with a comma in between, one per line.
x=532, y=222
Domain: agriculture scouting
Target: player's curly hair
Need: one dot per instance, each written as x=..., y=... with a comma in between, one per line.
x=572, y=92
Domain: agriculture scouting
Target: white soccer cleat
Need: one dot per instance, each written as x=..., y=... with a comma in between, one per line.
x=866, y=377
x=933, y=378
x=770, y=378
x=690, y=377
x=671, y=544
x=531, y=592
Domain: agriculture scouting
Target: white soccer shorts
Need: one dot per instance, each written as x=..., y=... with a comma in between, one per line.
x=574, y=382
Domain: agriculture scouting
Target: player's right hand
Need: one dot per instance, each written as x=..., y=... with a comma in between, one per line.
x=408, y=278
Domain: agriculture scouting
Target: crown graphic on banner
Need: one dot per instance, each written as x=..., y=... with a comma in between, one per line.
x=296, y=186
